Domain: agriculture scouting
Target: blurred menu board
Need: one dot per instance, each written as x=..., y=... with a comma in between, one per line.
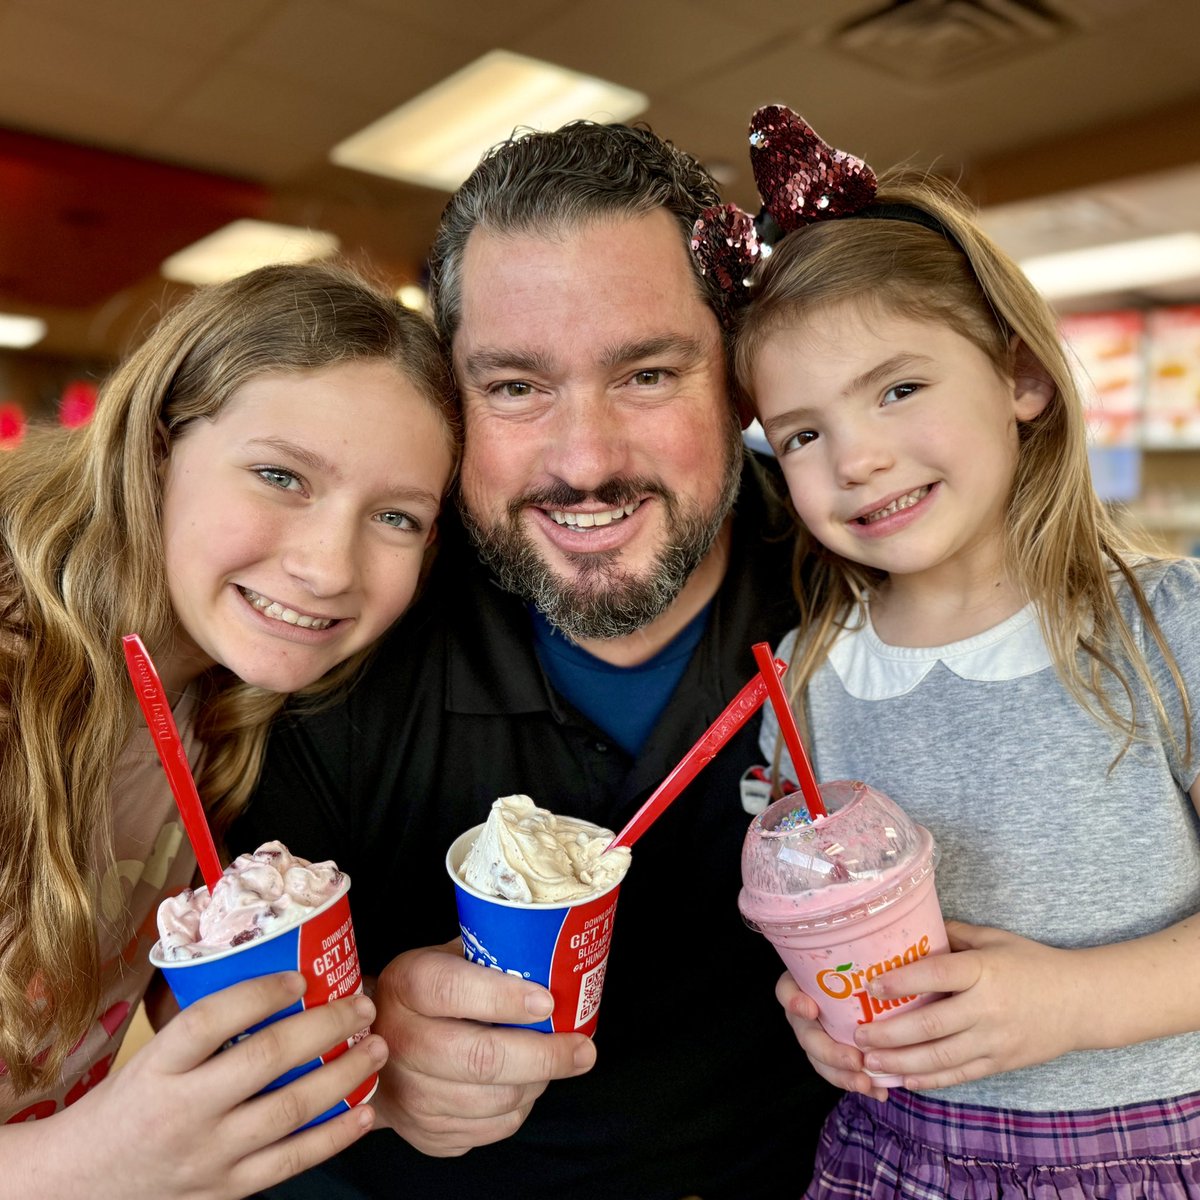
x=1172, y=412
x=1105, y=350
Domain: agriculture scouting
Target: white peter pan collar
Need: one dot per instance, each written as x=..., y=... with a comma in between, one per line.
x=872, y=670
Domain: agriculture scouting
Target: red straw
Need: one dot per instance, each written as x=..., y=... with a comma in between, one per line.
x=791, y=735
x=735, y=714
x=172, y=755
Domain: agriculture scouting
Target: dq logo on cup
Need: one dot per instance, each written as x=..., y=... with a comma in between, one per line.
x=321, y=948
x=564, y=947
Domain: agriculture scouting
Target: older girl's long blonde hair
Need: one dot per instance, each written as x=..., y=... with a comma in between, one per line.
x=1062, y=546
x=81, y=563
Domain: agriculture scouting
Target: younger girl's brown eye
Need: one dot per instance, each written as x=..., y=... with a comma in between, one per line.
x=803, y=438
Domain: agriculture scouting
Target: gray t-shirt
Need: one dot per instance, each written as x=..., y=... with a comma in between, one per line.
x=980, y=742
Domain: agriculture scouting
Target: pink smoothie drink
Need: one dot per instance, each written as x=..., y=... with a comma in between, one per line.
x=844, y=899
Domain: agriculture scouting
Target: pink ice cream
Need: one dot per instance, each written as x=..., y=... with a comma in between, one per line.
x=258, y=894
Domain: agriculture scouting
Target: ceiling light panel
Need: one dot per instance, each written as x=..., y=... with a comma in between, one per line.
x=437, y=138
x=244, y=245
x=19, y=332
x=1117, y=267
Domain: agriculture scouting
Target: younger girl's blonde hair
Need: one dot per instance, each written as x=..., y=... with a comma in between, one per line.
x=1062, y=547
x=81, y=563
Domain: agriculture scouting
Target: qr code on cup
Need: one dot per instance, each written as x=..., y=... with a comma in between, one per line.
x=590, y=987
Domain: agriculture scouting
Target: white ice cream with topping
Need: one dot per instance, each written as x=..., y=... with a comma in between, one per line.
x=528, y=854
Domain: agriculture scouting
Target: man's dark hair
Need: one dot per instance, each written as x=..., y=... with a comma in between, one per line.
x=550, y=181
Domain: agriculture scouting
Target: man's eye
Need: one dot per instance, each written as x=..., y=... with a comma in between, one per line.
x=803, y=438
x=649, y=378
x=278, y=477
x=516, y=389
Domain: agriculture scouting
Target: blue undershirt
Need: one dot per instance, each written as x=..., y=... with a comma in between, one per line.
x=625, y=702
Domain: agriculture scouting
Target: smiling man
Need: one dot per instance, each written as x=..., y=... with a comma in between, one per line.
x=589, y=617
x=598, y=482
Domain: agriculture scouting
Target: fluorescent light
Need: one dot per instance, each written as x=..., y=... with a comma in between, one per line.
x=1117, y=267
x=243, y=245
x=19, y=332
x=438, y=137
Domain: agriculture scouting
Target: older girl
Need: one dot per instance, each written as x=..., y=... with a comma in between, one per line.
x=255, y=497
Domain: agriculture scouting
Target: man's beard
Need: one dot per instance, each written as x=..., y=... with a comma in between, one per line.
x=604, y=600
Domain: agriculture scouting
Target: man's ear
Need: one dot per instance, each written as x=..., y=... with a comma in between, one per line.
x=1033, y=388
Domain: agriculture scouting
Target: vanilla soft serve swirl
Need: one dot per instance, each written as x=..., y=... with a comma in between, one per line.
x=527, y=854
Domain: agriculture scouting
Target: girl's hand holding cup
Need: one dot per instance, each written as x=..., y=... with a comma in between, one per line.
x=839, y=1064
x=215, y=1134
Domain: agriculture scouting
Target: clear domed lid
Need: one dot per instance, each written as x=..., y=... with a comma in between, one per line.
x=866, y=849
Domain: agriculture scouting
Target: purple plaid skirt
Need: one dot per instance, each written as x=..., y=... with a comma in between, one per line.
x=915, y=1147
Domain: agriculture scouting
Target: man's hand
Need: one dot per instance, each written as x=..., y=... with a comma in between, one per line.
x=455, y=1080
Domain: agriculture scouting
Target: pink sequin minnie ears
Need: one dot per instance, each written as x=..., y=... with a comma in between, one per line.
x=801, y=179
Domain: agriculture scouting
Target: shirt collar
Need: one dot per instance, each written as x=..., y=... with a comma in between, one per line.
x=870, y=669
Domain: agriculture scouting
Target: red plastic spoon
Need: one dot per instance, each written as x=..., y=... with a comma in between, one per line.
x=767, y=669
x=157, y=711
x=735, y=714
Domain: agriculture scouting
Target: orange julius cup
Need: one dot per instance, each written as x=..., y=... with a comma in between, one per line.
x=844, y=899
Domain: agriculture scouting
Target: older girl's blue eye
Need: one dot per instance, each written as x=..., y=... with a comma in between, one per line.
x=278, y=477
x=399, y=520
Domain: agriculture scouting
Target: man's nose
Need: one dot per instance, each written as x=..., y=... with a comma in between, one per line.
x=587, y=441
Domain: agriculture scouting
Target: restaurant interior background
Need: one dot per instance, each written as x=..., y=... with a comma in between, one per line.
x=132, y=129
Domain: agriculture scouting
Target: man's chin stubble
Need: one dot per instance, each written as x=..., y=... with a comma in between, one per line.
x=604, y=600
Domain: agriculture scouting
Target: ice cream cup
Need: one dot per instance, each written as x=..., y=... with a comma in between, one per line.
x=844, y=899
x=321, y=947
x=563, y=945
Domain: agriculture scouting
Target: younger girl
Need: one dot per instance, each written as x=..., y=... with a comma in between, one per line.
x=982, y=643
x=255, y=497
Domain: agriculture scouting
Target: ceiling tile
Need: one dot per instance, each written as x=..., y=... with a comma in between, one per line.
x=340, y=49
x=200, y=28
x=484, y=20
x=771, y=18
x=652, y=47
x=81, y=78
x=256, y=124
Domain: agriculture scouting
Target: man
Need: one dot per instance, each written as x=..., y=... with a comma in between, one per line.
x=618, y=564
